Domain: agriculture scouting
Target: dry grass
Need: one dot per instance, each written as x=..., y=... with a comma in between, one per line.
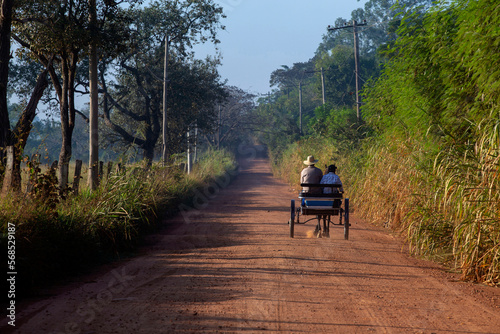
x=446, y=205
x=56, y=236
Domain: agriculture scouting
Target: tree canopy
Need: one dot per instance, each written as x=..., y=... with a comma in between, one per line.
x=133, y=102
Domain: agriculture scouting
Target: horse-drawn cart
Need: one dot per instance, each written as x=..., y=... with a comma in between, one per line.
x=313, y=202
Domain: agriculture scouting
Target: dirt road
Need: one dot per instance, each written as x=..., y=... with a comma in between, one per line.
x=231, y=267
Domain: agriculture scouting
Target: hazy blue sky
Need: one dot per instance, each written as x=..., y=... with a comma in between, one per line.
x=262, y=35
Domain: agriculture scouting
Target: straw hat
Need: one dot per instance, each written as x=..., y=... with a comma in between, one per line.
x=310, y=161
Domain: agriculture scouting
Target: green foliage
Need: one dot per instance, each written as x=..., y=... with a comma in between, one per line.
x=134, y=100
x=276, y=124
x=438, y=91
x=339, y=125
x=382, y=17
x=427, y=160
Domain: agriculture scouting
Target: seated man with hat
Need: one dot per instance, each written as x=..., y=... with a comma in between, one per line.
x=311, y=174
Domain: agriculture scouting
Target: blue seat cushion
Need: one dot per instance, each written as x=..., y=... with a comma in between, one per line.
x=319, y=203
x=332, y=204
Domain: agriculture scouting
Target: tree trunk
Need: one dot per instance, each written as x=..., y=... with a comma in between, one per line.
x=64, y=159
x=66, y=129
x=93, y=179
x=24, y=124
x=149, y=153
x=12, y=179
x=5, y=31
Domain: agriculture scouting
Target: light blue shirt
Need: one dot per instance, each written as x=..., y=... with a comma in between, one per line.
x=331, y=178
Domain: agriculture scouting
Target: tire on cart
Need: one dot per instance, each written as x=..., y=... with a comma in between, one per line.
x=292, y=218
x=346, y=219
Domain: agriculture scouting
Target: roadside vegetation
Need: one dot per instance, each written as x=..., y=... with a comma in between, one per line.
x=424, y=160
x=57, y=236
x=44, y=66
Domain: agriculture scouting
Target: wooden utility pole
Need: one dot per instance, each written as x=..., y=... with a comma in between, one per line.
x=323, y=85
x=93, y=180
x=355, y=26
x=165, y=81
x=219, y=129
x=300, y=107
x=356, y=65
x=189, y=158
x=195, y=157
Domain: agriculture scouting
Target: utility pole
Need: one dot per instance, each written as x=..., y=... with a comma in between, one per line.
x=355, y=26
x=189, y=159
x=93, y=178
x=323, y=85
x=356, y=64
x=218, y=129
x=300, y=107
x=165, y=81
x=195, y=158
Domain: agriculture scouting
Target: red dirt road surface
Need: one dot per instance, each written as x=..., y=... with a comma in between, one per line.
x=231, y=267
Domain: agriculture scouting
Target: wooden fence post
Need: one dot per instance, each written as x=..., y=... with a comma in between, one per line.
x=53, y=167
x=101, y=170
x=77, y=177
x=110, y=167
x=11, y=178
x=35, y=162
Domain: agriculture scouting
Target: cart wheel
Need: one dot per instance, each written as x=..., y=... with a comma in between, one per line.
x=346, y=219
x=292, y=217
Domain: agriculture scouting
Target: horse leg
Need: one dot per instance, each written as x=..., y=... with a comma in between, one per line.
x=317, y=231
x=326, y=226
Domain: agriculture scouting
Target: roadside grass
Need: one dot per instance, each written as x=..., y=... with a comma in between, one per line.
x=57, y=237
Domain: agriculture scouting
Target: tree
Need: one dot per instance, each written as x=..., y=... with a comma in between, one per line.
x=435, y=109
x=381, y=17
x=18, y=136
x=234, y=118
x=132, y=107
x=338, y=65
x=133, y=104
x=5, y=31
x=57, y=34
x=93, y=178
x=296, y=95
x=285, y=77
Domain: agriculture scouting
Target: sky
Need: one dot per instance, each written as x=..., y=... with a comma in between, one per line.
x=263, y=35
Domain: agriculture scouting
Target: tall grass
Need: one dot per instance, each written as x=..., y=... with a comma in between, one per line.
x=447, y=203
x=428, y=166
x=56, y=236
x=468, y=196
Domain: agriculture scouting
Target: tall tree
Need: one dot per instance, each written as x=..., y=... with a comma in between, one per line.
x=234, y=118
x=133, y=104
x=18, y=136
x=57, y=35
x=381, y=17
x=93, y=179
x=5, y=32
x=296, y=96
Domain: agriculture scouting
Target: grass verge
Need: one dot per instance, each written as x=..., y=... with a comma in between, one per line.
x=57, y=237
